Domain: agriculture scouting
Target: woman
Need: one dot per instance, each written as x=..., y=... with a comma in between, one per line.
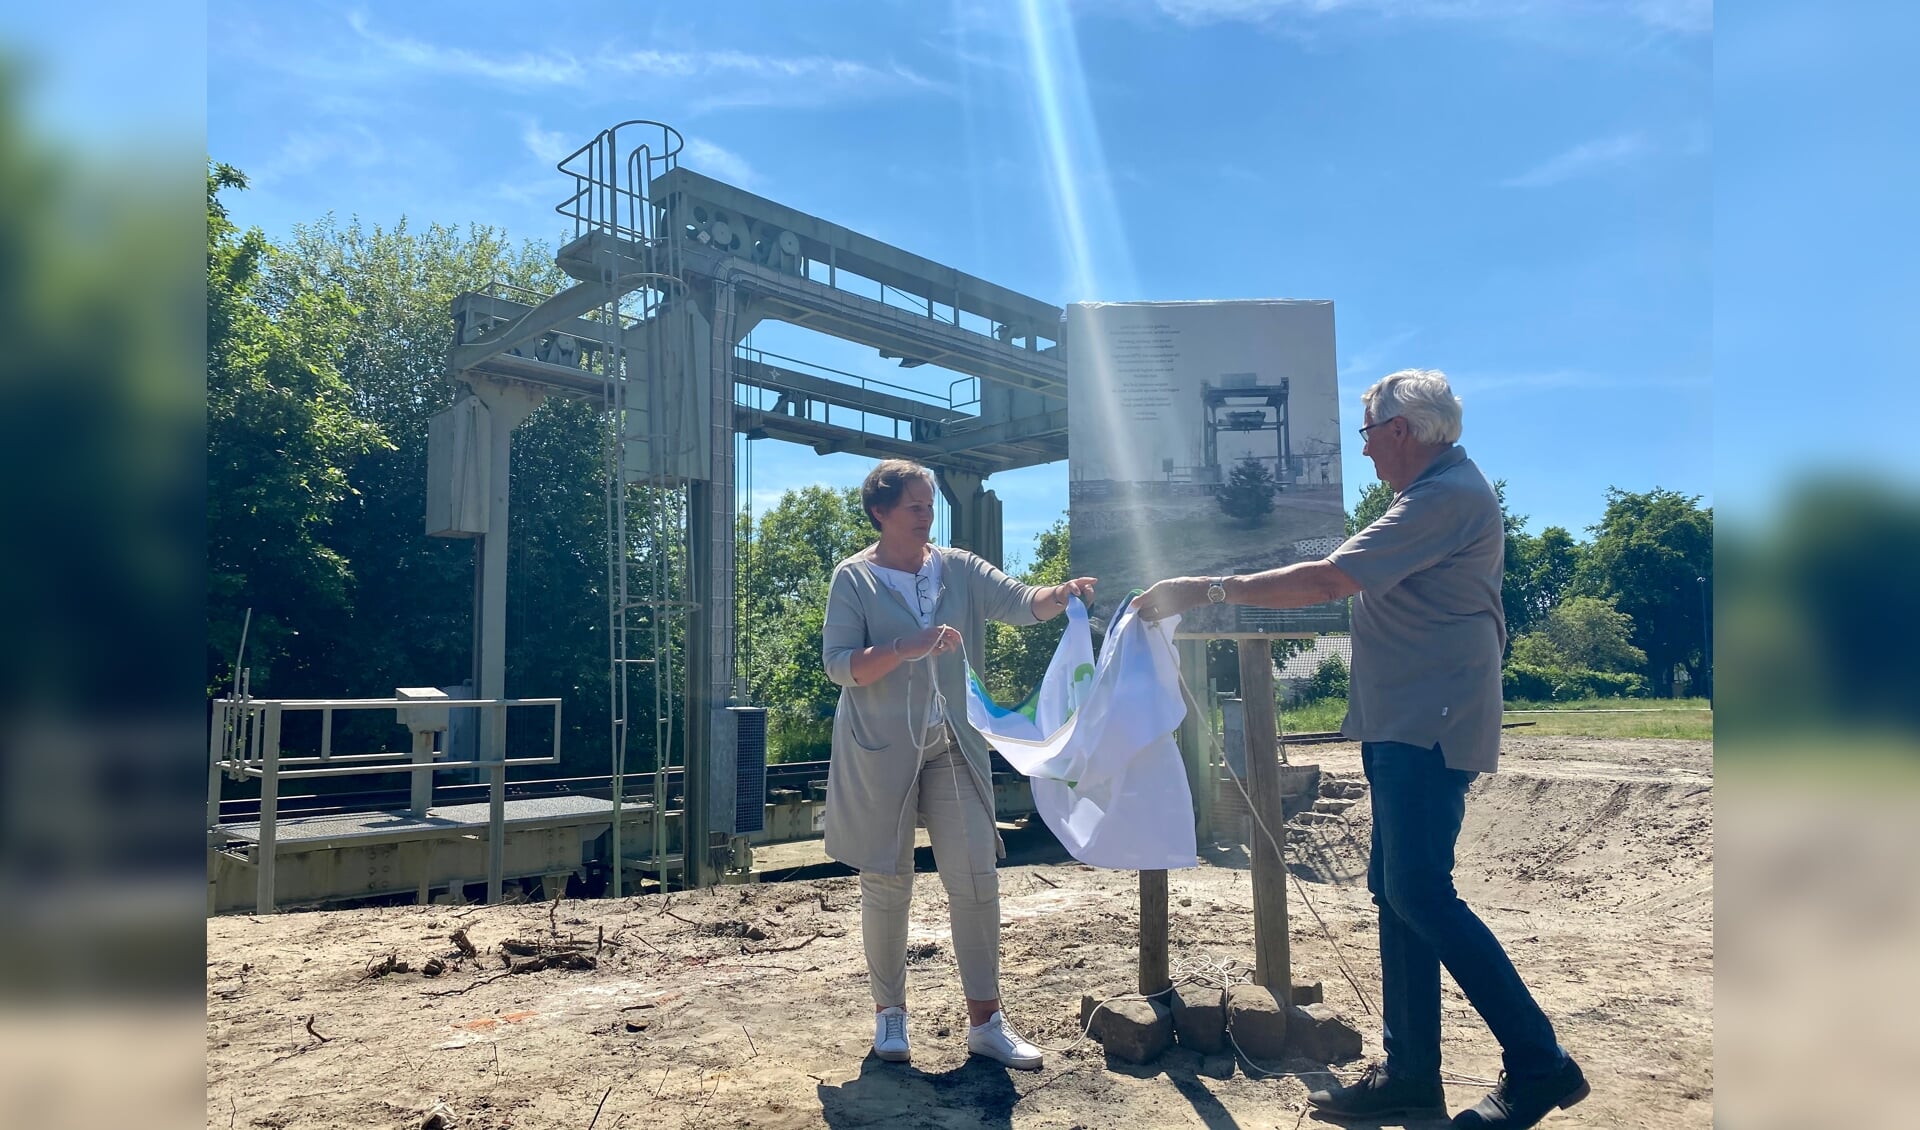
x=903, y=752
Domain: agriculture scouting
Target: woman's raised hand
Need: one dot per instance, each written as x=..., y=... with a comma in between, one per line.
x=937, y=640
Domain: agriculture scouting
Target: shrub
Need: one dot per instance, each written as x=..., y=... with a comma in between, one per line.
x=1525, y=682
x=1329, y=681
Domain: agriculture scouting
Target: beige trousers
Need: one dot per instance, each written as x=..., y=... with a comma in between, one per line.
x=961, y=828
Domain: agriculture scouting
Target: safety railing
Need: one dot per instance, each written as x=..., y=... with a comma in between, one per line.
x=245, y=743
x=613, y=178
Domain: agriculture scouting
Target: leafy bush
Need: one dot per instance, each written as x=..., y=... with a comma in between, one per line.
x=797, y=739
x=1329, y=681
x=1582, y=633
x=1526, y=682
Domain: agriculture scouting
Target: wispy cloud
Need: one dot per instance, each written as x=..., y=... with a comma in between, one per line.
x=351, y=145
x=1582, y=160
x=741, y=80
x=545, y=69
x=738, y=77
x=1371, y=362
x=706, y=157
x=1221, y=11
x=547, y=145
x=1470, y=384
x=804, y=68
x=1690, y=17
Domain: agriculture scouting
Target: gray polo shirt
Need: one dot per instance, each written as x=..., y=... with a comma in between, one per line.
x=1428, y=626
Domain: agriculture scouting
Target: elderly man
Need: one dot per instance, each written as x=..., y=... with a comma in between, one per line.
x=1428, y=633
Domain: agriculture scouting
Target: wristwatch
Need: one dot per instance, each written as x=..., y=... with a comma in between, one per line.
x=1217, y=591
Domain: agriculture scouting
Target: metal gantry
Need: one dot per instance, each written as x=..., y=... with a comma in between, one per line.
x=670, y=271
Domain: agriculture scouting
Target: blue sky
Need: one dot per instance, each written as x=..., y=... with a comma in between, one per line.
x=1519, y=192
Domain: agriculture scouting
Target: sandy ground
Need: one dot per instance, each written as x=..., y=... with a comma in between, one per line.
x=747, y=1006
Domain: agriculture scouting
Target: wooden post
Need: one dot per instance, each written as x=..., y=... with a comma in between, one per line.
x=1194, y=737
x=1153, y=933
x=1272, y=962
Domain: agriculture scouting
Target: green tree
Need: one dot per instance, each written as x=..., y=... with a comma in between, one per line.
x=1017, y=658
x=799, y=541
x=783, y=568
x=1556, y=560
x=1247, y=496
x=282, y=437
x=410, y=615
x=1375, y=498
x=1582, y=632
x=1539, y=573
x=1648, y=554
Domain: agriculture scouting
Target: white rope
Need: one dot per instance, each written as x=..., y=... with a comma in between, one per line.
x=1279, y=851
x=1227, y=973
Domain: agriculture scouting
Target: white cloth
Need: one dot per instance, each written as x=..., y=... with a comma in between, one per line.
x=920, y=592
x=1096, y=741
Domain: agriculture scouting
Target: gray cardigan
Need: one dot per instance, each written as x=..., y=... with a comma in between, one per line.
x=873, y=780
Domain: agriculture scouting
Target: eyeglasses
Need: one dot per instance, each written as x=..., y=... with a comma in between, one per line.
x=1376, y=424
x=923, y=591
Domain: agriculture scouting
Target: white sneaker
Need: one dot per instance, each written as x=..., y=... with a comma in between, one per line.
x=890, y=1035
x=996, y=1039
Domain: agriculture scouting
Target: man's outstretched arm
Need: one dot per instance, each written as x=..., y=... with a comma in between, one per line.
x=1290, y=586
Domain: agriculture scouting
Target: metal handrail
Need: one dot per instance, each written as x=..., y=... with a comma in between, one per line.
x=931, y=399
x=599, y=201
x=245, y=742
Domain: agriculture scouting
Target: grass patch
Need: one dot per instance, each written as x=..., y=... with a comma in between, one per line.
x=1695, y=725
x=1313, y=717
x=1665, y=705
x=1689, y=719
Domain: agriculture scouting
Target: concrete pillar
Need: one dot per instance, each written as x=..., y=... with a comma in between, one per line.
x=976, y=528
x=975, y=512
x=710, y=631
x=508, y=404
x=422, y=790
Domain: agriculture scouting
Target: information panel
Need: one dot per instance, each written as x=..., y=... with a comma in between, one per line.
x=1203, y=439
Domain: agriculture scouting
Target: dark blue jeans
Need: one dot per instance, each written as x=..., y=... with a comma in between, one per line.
x=1418, y=804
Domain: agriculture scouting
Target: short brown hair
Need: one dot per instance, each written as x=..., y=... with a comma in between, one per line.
x=886, y=483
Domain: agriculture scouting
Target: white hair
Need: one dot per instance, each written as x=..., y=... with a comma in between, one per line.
x=1421, y=397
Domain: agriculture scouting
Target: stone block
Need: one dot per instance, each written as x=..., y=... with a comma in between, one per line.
x=1091, y=1001
x=1318, y=1033
x=1200, y=1019
x=1131, y=1030
x=1309, y=994
x=1258, y=1024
